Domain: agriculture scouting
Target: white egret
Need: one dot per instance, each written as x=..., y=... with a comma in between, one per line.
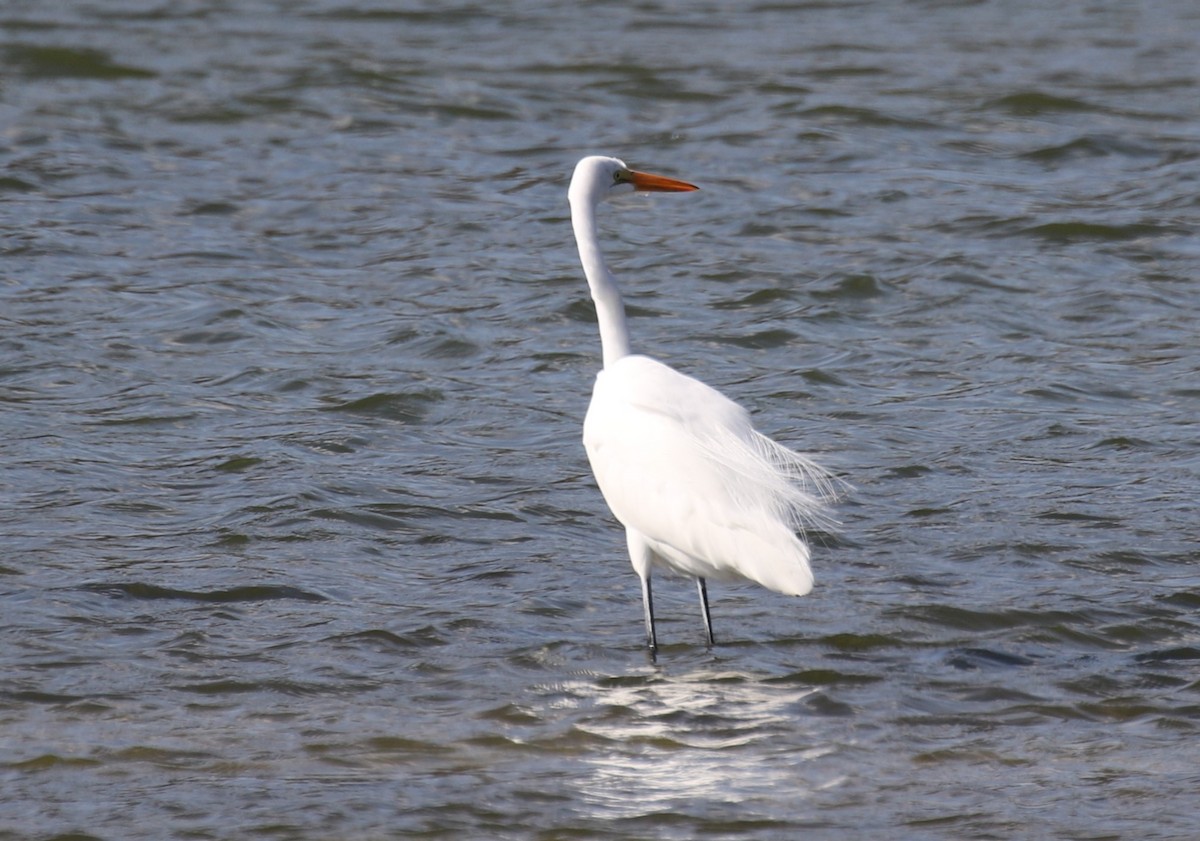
x=699, y=491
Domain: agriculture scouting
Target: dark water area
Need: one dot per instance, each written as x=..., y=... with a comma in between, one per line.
x=300, y=538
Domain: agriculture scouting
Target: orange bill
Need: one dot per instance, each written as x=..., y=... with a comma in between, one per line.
x=659, y=183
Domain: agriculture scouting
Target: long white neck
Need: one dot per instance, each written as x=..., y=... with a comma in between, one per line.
x=610, y=311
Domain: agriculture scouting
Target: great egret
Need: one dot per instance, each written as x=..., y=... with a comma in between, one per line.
x=699, y=491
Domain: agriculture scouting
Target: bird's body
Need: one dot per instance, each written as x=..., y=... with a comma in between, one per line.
x=699, y=491
x=720, y=517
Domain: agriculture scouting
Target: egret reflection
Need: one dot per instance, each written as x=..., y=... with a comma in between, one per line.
x=704, y=736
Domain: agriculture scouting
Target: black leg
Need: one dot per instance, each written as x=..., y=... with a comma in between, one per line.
x=704, y=608
x=648, y=604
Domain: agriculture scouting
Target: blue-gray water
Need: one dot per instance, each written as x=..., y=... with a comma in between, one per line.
x=299, y=538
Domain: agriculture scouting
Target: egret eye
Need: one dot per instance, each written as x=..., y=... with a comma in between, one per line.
x=617, y=177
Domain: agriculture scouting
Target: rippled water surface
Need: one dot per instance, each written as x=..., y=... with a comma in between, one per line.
x=300, y=540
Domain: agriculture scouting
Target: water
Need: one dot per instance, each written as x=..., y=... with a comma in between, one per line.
x=300, y=540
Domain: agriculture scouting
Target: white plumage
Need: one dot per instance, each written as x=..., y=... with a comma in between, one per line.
x=699, y=491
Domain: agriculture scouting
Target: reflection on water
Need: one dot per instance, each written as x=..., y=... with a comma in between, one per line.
x=700, y=737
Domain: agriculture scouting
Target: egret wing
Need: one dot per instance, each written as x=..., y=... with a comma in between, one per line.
x=682, y=464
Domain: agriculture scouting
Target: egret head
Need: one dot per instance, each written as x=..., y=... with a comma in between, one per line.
x=598, y=178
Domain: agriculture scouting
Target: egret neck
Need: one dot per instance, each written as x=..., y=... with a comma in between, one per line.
x=610, y=312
